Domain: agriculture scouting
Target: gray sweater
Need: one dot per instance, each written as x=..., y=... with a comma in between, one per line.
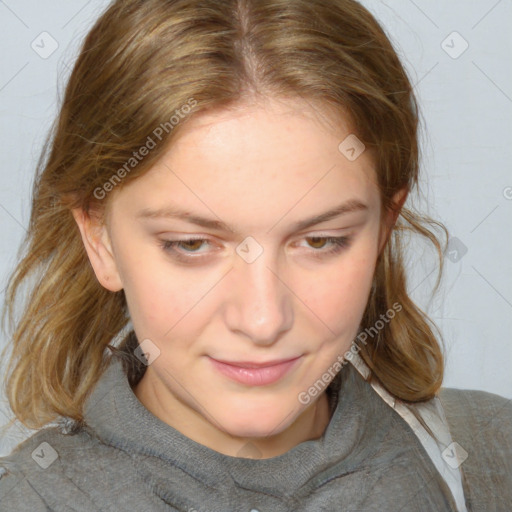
x=125, y=459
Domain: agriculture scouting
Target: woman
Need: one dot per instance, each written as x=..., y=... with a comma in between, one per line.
x=221, y=320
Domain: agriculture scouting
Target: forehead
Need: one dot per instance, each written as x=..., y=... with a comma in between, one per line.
x=256, y=162
x=264, y=130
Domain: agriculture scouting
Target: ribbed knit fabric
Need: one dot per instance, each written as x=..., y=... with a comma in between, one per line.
x=126, y=459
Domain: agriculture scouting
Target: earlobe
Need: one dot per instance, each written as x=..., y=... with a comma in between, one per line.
x=97, y=243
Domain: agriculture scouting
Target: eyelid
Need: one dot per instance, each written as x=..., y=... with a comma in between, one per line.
x=326, y=233
x=353, y=225
x=335, y=243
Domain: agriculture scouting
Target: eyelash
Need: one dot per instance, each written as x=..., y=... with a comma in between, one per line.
x=338, y=243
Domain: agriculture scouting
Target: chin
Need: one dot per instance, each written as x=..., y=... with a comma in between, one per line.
x=258, y=422
x=252, y=430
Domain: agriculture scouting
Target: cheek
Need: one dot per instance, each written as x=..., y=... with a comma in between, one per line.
x=156, y=297
x=164, y=301
x=339, y=294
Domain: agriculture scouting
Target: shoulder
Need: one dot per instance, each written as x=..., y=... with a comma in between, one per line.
x=16, y=493
x=46, y=468
x=480, y=424
x=475, y=408
x=17, y=475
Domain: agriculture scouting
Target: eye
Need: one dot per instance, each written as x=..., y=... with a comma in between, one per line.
x=190, y=245
x=317, y=242
x=189, y=250
x=334, y=244
x=186, y=250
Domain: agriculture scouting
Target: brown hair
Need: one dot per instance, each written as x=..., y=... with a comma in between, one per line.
x=140, y=65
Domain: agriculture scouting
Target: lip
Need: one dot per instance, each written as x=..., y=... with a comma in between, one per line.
x=255, y=374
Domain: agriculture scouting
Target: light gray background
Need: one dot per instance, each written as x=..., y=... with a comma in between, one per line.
x=466, y=102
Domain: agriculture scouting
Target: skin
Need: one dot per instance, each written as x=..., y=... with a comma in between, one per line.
x=260, y=169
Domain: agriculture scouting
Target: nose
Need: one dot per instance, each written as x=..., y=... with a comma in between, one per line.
x=260, y=304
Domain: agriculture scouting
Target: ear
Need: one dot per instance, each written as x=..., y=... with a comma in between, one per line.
x=390, y=217
x=97, y=243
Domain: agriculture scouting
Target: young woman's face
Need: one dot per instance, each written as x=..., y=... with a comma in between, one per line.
x=221, y=260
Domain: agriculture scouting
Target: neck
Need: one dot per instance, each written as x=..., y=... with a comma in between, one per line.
x=309, y=425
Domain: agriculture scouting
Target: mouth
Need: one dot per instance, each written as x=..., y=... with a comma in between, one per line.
x=255, y=374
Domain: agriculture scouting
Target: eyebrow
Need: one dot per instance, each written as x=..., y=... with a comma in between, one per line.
x=350, y=206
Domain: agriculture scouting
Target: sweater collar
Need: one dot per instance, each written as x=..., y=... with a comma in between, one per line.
x=114, y=414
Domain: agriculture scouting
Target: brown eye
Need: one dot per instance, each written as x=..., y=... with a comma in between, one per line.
x=317, y=242
x=326, y=246
x=192, y=245
x=186, y=246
